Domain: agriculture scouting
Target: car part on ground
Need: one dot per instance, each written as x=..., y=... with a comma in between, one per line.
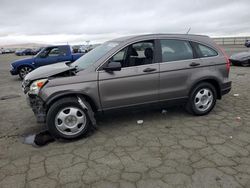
x=128, y=72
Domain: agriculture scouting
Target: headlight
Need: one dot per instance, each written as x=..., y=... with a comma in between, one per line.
x=36, y=86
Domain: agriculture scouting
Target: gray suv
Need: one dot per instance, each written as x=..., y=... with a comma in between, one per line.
x=125, y=72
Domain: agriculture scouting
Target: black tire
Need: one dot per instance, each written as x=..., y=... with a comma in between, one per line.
x=192, y=108
x=59, y=106
x=26, y=69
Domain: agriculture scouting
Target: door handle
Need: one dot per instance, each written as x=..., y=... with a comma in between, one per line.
x=194, y=64
x=149, y=70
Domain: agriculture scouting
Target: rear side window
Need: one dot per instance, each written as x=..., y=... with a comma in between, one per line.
x=205, y=51
x=175, y=50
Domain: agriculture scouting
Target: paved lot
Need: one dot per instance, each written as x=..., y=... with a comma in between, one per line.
x=169, y=150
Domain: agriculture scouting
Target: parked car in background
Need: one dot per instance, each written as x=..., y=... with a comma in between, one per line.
x=83, y=49
x=247, y=43
x=126, y=72
x=6, y=51
x=242, y=58
x=27, y=51
x=36, y=51
x=48, y=55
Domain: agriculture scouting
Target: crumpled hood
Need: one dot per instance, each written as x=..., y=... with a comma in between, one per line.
x=47, y=71
x=22, y=61
x=241, y=55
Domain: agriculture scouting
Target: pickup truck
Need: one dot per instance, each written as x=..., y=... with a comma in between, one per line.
x=48, y=55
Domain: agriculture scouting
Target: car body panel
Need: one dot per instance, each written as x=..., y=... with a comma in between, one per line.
x=131, y=86
x=43, y=72
x=84, y=82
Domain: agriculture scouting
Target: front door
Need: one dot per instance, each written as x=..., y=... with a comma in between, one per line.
x=136, y=83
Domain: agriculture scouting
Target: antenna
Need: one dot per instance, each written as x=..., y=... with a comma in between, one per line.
x=188, y=30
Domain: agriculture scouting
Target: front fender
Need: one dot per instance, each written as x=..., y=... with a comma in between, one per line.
x=25, y=65
x=61, y=94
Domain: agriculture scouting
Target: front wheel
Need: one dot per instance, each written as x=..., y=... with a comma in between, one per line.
x=23, y=71
x=67, y=119
x=202, y=99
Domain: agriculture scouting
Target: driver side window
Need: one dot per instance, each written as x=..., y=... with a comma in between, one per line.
x=140, y=53
x=53, y=52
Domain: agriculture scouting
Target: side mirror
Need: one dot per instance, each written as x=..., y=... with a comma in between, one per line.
x=113, y=66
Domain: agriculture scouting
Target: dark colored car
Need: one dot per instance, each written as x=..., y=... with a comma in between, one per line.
x=36, y=51
x=247, y=43
x=27, y=51
x=47, y=56
x=127, y=72
x=242, y=58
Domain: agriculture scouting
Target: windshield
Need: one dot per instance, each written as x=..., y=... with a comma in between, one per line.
x=94, y=55
x=40, y=52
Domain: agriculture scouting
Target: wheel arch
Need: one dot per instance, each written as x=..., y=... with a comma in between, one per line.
x=210, y=80
x=25, y=65
x=59, y=96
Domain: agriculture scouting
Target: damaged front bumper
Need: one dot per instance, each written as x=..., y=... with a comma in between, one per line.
x=38, y=107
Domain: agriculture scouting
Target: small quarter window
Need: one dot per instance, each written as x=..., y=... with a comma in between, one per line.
x=205, y=51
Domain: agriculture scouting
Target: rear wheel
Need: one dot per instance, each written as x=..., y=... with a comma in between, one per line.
x=202, y=99
x=67, y=119
x=23, y=71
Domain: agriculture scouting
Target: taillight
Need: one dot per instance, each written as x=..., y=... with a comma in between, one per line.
x=226, y=57
x=228, y=62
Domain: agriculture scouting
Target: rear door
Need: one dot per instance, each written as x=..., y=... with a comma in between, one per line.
x=177, y=65
x=138, y=80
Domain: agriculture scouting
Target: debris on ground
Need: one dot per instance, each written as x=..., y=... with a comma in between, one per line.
x=236, y=95
x=40, y=139
x=230, y=137
x=9, y=97
x=29, y=139
x=139, y=122
x=43, y=138
x=168, y=127
x=164, y=111
x=238, y=118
